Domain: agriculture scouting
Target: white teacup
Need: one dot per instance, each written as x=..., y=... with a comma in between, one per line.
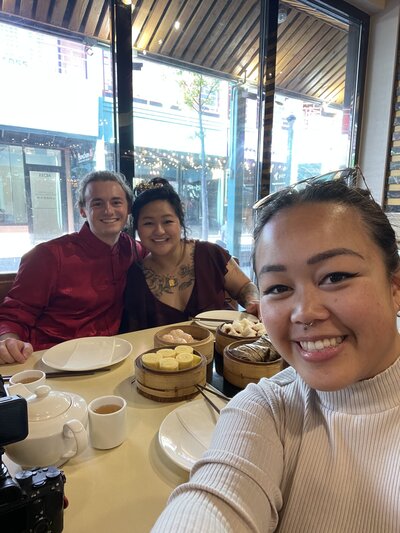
x=107, y=422
x=31, y=379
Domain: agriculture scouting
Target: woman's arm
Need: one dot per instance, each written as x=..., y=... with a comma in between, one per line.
x=235, y=486
x=241, y=288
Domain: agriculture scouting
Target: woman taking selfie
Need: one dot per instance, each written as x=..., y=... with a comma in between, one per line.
x=316, y=447
x=179, y=278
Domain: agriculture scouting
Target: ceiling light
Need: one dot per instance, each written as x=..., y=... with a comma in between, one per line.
x=282, y=14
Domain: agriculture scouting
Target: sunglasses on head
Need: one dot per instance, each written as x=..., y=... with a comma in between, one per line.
x=351, y=176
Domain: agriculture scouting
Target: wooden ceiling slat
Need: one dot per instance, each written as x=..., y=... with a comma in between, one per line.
x=192, y=27
x=105, y=31
x=337, y=95
x=321, y=44
x=250, y=71
x=321, y=55
x=204, y=34
x=105, y=28
x=322, y=85
x=153, y=21
x=140, y=16
x=186, y=13
x=244, y=56
x=42, y=10
x=302, y=60
x=93, y=20
x=26, y=8
x=9, y=6
x=333, y=93
x=239, y=37
x=57, y=16
x=300, y=6
x=298, y=30
x=166, y=26
x=319, y=84
x=78, y=14
x=322, y=61
x=212, y=46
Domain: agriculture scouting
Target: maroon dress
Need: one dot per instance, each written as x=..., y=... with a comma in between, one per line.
x=144, y=310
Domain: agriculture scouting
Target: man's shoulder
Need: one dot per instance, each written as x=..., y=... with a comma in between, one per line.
x=126, y=240
x=54, y=244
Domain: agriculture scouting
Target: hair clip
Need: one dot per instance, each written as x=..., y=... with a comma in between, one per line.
x=143, y=186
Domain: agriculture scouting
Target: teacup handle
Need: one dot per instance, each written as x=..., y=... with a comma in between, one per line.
x=79, y=433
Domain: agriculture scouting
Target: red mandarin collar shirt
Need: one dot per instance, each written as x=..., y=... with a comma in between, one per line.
x=69, y=287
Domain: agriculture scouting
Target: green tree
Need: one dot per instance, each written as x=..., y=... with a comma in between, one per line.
x=198, y=93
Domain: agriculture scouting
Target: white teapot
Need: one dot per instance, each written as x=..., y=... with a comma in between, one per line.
x=57, y=427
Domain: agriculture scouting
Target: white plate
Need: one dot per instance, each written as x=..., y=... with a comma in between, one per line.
x=87, y=353
x=224, y=315
x=185, y=433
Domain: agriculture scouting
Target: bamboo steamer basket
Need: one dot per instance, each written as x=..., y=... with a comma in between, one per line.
x=169, y=386
x=240, y=373
x=203, y=344
x=222, y=339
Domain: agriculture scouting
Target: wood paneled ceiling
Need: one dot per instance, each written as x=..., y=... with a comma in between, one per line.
x=221, y=35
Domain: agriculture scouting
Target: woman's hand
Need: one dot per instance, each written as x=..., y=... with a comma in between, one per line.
x=253, y=307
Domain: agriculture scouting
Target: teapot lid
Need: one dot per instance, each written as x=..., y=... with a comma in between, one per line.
x=46, y=403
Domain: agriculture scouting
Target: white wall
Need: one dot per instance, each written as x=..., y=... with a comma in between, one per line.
x=379, y=98
x=369, y=6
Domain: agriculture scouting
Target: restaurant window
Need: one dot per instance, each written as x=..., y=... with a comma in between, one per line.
x=318, y=91
x=215, y=110
x=56, y=124
x=217, y=118
x=196, y=121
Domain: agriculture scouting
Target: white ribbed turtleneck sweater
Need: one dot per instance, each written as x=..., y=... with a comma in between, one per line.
x=287, y=458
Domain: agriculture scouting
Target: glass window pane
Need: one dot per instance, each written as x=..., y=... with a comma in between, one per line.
x=315, y=107
x=196, y=113
x=57, y=126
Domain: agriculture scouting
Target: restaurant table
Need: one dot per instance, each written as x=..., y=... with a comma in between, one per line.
x=126, y=488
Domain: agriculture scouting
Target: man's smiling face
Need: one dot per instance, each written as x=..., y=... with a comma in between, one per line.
x=106, y=210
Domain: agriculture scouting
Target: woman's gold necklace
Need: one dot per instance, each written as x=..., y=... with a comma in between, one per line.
x=172, y=280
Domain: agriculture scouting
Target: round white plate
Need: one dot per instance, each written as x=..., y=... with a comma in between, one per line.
x=87, y=353
x=224, y=315
x=185, y=433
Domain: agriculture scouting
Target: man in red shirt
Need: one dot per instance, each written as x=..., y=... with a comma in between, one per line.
x=73, y=286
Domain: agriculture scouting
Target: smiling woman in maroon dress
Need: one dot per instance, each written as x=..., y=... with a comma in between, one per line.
x=179, y=278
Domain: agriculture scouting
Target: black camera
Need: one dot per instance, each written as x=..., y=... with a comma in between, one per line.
x=32, y=502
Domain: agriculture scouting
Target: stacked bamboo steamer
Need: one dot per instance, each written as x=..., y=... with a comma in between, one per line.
x=203, y=339
x=240, y=372
x=225, y=338
x=169, y=386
